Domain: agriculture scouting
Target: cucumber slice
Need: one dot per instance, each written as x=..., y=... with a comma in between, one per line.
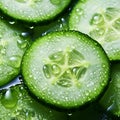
x=100, y=19
x=65, y=69
x=12, y=47
x=33, y=10
x=111, y=99
x=17, y=104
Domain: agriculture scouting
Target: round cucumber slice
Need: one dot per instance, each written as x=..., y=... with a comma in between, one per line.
x=17, y=104
x=65, y=69
x=33, y=10
x=111, y=99
x=100, y=19
x=12, y=47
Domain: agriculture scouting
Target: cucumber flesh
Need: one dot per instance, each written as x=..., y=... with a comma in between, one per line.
x=65, y=69
x=100, y=20
x=12, y=48
x=33, y=10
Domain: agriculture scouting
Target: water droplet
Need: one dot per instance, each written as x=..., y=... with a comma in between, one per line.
x=46, y=70
x=79, y=11
x=12, y=22
x=24, y=34
x=14, y=61
x=97, y=19
x=69, y=114
x=9, y=99
x=56, y=69
x=22, y=43
x=55, y=2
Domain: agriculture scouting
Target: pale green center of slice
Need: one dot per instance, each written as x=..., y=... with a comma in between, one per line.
x=65, y=68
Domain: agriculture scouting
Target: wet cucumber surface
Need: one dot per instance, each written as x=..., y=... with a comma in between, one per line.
x=17, y=104
x=100, y=19
x=33, y=10
x=111, y=99
x=92, y=111
x=12, y=47
x=63, y=69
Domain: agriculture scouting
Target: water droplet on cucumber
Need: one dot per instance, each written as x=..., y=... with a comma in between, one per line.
x=14, y=61
x=9, y=99
x=97, y=19
x=22, y=43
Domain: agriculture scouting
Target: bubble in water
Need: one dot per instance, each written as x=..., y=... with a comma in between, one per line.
x=55, y=2
x=9, y=99
x=14, y=61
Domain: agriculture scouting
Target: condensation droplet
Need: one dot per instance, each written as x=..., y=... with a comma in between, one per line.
x=14, y=61
x=12, y=22
x=9, y=99
x=22, y=43
x=97, y=19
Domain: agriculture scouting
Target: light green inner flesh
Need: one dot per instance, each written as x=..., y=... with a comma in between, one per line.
x=65, y=68
x=106, y=25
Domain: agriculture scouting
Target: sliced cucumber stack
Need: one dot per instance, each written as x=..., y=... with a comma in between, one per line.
x=17, y=104
x=65, y=69
x=100, y=19
x=33, y=10
x=12, y=47
x=111, y=99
